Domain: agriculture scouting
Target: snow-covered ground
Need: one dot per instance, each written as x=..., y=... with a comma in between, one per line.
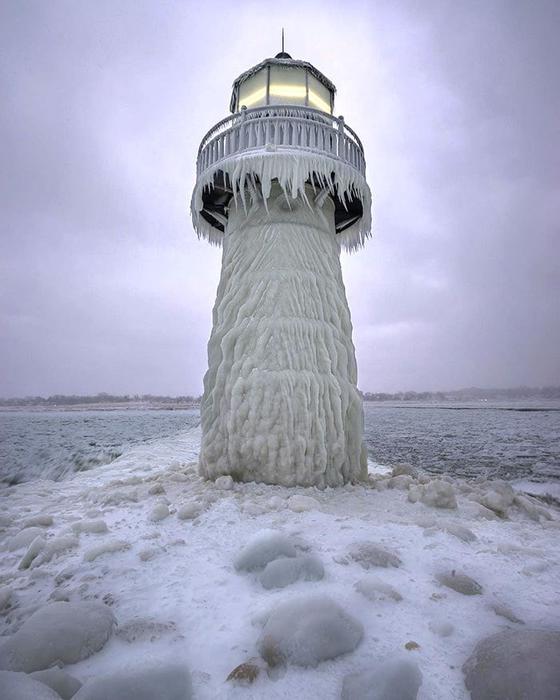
x=178, y=597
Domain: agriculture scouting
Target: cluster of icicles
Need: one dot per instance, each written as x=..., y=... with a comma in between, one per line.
x=291, y=170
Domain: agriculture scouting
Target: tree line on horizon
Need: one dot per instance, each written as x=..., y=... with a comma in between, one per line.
x=469, y=394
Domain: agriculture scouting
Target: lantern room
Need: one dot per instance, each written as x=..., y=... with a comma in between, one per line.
x=283, y=81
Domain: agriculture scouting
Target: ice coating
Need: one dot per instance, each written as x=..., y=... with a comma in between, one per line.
x=280, y=400
x=291, y=170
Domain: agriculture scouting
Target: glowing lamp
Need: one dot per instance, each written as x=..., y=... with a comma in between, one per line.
x=283, y=81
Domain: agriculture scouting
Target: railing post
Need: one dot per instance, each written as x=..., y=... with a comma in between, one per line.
x=242, y=128
x=340, y=150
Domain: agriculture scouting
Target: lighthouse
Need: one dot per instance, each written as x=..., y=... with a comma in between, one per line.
x=281, y=188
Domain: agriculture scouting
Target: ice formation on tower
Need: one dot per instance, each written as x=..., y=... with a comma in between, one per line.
x=281, y=189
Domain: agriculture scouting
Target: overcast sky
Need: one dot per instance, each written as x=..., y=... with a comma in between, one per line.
x=104, y=285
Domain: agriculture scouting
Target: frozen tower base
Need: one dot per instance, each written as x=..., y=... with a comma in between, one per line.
x=282, y=188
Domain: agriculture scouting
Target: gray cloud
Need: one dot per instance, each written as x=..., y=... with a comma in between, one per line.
x=104, y=285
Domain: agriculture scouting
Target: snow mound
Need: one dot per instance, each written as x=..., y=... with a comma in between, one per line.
x=308, y=630
x=19, y=686
x=522, y=664
x=283, y=572
x=57, y=633
x=263, y=548
x=164, y=682
x=391, y=679
x=369, y=554
x=61, y=682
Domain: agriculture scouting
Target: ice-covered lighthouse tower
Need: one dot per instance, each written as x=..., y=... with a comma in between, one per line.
x=281, y=187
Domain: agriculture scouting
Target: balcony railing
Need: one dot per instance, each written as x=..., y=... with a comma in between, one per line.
x=281, y=128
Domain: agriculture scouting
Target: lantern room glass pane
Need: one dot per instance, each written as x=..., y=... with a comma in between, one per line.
x=252, y=92
x=319, y=95
x=287, y=86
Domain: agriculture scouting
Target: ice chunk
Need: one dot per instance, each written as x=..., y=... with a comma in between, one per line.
x=499, y=497
x=376, y=589
x=57, y=633
x=6, y=598
x=404, y=469
x=32, y=553
x=459, y=531
x=159, y=512
x=391, y=679
x=504, y=611
x=156, y=490
x=19, y=686
x=164, y=682
x=55, y=547
x=515, y=664
x=91, y=526
x=401, y=482
x=61, y=682
x=41, y=520
x=299, y=503
x=283, y=572
x=308, y=630
x=460, y=582
x=439, y=494
x=24, y=538
x=224, y=482
x=369, y=554
x=106, y=548
x=264, y=547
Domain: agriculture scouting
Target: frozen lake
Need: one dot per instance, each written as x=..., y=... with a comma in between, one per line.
x=506, y=440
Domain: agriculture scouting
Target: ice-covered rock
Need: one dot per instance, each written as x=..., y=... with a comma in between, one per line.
x=369, y=554
x=225, y=483
x=61, y=682
x=460, y=582
x=189, y=511
x=307, y=630
x=33, y=552
x=299, y=504
x=90, y=526
x=247, y=672
x=57, y=633
x=439, y=494
x=159, y=512
x=282, y=572
x=20, y=686
x=518, y=664
x=164, y=682
x=263, y=548
x=24, y=538
x=375, y=589
x=106, y=548
x=391, y=679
